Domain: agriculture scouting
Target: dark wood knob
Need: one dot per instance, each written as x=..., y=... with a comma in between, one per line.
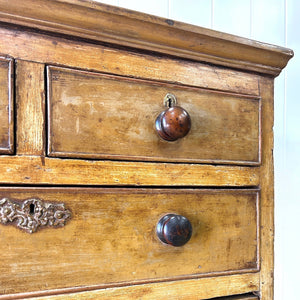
x=174, y=230
x=173, y=123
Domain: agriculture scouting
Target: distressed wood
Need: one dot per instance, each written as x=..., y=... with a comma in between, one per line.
x=112, y=234
x=109, y=250
x=77, y=54
x=6, y=106
x=40, y=170
x=30, y=99
x=267, y=194
x=104, y=23
x=100, y=116
x=200, y=289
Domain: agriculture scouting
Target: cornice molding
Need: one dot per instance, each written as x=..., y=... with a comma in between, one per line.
x=104, y=23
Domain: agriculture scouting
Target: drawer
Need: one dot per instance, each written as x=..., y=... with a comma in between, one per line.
x=6, y=106
x=110, y=237
x=99, y=116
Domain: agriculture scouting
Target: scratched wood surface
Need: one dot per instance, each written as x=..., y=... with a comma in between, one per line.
x=100, y=116
x=6, y=106
x=111, y=238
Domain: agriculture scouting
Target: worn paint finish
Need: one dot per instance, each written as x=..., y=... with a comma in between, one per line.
x=114, y=118
x=112, y=234
x=236, y=232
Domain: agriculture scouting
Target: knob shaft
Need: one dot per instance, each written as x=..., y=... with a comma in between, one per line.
x=173, y=229
x=173, y=123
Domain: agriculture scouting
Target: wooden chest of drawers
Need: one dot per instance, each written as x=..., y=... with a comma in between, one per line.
x=135, y=154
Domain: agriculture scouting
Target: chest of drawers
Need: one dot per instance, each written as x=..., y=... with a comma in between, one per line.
x=136, y=156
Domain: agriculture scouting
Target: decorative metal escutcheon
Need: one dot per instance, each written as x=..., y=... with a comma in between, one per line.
x=32, y=214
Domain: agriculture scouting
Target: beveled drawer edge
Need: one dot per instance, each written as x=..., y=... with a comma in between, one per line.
x=11, y=137
x=43, y=170
x=92, y=156
x=203, y=287
x=155, y=82
x=135, y=190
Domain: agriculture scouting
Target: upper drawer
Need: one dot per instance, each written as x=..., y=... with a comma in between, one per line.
x=6, y=106
x=111, y=117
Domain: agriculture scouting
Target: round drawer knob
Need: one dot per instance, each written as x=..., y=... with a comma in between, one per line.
x=173, y=123
x=174, y=230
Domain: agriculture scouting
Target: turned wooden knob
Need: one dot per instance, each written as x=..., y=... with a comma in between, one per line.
x=174, y=230
x=173, y=123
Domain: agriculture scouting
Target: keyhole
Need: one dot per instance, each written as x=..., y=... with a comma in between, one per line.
x=170, y=100
x=31, y=209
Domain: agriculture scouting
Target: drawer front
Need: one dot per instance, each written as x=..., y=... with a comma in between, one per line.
x=6, y=106
x=111, y=237
x=111, y=117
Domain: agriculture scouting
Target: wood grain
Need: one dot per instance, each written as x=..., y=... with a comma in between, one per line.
x=195, y=289
x=267, y=194
x=30, y=99
x=111, y=238
x=6, y=106
x=100, y=116
x=103, y=23
x=108, y=250
x=40, y=170
x=78, y=54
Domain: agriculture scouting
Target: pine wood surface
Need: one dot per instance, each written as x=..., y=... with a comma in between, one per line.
x=88, y=56
x=111, y=238
x=100, y=22
x=30, y=100
x=199, y=289
x=100, y=116
x=235, y=74
x=44, y=170
x=267, y=193
x=6, y=106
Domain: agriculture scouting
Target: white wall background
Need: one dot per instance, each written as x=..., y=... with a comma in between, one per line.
x=276, y=22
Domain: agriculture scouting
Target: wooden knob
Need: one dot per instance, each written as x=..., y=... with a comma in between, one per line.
x=174, y=230
x=173, y=123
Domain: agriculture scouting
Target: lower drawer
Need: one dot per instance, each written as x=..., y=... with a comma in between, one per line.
x=110, y=237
